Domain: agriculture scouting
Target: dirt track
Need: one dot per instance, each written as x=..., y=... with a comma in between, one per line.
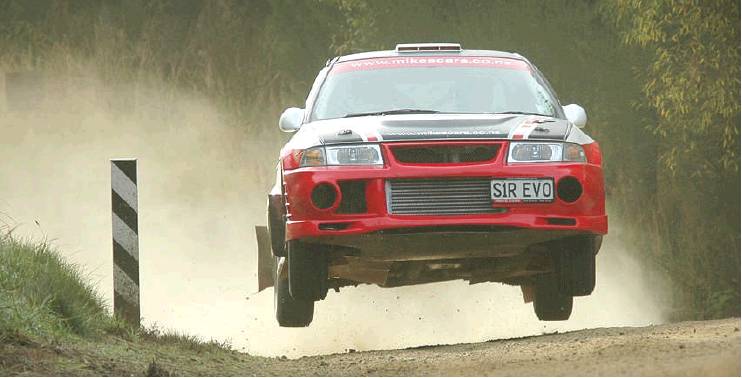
x=680, y=349
x=688, y=348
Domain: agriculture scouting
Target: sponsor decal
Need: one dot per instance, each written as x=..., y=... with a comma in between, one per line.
x=429, y=61
x=439, y=133
x=373, y=135
x=524, y=130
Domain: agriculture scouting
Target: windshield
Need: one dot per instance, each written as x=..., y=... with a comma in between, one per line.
x=433, y=84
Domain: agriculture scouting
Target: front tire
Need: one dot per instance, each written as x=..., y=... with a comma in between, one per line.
x=290, y=312
x=307, y=271
x=551, y=302
x=577, y=263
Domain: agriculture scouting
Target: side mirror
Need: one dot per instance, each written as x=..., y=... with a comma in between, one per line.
x=290, y=120
x=575, y=114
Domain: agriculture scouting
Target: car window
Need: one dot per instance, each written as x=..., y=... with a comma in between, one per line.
x=448, y=88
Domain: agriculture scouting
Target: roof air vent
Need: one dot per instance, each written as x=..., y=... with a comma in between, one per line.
x=420, y=47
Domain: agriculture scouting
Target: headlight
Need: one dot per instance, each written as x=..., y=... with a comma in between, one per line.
x=313, y=157
x=528, y=152
x=355, y=154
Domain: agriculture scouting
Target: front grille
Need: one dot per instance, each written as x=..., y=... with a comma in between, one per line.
x=442, y=154
x=440, y=196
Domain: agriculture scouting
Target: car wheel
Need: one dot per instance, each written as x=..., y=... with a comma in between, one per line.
x=307, y=271
x=550, y=301
x=578, y=265
x=290, y=312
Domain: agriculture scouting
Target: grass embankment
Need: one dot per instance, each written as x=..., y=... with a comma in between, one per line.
x=52, y=322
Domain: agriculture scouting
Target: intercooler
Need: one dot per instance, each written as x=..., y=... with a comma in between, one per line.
x=439, y=196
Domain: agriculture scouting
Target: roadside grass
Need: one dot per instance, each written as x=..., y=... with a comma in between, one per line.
x=43, y=298
x=53, y=322
x=181, y=340
x=46, y=300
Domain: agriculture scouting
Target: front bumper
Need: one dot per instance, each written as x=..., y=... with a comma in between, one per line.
x=306, y=221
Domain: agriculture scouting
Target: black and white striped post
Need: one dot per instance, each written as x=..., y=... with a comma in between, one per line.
x=125, y=240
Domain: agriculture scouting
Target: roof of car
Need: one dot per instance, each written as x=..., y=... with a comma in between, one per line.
x=395, y=53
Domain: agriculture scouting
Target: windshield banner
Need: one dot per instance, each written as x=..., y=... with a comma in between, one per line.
x=429, y=61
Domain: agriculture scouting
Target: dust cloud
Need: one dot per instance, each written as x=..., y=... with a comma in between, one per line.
x=202, y=189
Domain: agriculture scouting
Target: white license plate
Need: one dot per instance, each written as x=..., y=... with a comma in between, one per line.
x=514, y=190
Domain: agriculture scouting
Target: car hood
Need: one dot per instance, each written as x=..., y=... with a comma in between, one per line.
x=430, y=127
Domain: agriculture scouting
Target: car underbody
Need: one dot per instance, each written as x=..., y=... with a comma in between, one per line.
x=410, y=257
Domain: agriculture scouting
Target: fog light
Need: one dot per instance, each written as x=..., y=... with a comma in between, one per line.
x=324, y=196
x=569, y=189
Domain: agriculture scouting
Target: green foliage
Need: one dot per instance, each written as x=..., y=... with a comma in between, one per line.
x=691, y=84
x=693, y=80
x=249, y=57
x=43, y=297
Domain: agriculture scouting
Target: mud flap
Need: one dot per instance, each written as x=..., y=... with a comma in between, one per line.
x=527, y=293
x=265, y=258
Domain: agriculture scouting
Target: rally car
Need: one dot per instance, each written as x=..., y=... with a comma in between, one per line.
x=431, y=163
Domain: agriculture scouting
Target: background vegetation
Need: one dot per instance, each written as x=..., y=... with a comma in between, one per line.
x=659, y=78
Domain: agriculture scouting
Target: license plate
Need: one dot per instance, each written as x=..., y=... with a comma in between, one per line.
x=516, y=190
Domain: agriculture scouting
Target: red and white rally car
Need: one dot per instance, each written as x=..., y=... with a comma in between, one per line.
x=430, y=163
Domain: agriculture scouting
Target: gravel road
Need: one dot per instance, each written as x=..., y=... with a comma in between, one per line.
x=679, y=349
x=708, y=348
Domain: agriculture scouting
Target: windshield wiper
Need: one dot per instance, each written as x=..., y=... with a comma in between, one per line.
x=393, y=111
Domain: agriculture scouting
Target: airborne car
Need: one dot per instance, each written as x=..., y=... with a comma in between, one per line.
x=430, y=163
